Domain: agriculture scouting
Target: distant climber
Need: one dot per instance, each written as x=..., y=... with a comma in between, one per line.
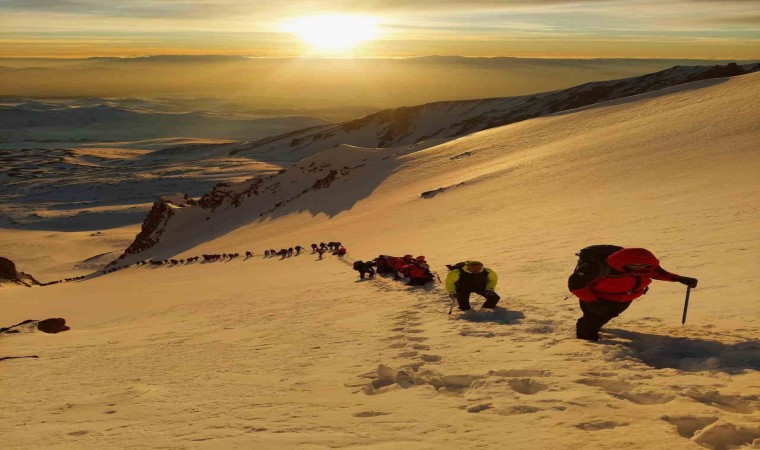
x=299, y=249
x=321, y=251
x=396, y=264
x=339, y=251
x=608, y=278
x=365, y=268
x=381, y=262
x=313, y=248
x=468, y=277
x=418, y=272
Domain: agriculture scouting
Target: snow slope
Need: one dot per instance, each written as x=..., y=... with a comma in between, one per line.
x=296, y=353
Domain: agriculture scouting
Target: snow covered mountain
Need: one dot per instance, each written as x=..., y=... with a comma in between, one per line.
x=104, y=185
x=449, y=120
x=298, y=353
x=131, y=119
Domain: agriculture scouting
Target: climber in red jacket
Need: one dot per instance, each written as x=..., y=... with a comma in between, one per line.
x=418, y=273
x=607, y=287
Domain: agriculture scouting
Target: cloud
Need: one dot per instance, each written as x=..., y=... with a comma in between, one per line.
x=185, y=8
x=437, y=22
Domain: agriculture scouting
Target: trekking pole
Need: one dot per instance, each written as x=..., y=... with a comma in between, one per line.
x=452, y=306
x=686, y=305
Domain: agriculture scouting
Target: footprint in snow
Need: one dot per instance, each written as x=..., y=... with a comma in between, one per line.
x=518, y=409
x=688, y=425
x=527, y=386
x=520, y=373
x=370, y=414
x=730, y=403
x=597, y=425
x=610, y=385
x=644, y=398
x=479, y=408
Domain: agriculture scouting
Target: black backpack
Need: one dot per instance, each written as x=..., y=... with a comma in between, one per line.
x=591, y=264
x=358, y=265
x=456, y=266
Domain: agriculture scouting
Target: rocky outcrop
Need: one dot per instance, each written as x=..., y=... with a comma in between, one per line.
x=9, y=274
x=155, y=223
x=230, y=194
x=51, y=326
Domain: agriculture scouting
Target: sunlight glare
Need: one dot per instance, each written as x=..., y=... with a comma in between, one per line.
x=334, y=33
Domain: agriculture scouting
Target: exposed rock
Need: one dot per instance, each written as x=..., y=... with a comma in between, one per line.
x=54, y=325
x=7, y=269
x=9, y=274
x=232, y=194
x=155, y=223
x=14, y=328
x=17, y=357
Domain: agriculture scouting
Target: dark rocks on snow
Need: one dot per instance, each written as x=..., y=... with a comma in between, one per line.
x=233, y=194
x=155, y=222
x=434, y=192
x=7, y=269
x=8, y=273
x=52, y=326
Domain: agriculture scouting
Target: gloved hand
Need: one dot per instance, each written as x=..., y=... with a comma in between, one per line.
x=489, y=292
x=691, y=282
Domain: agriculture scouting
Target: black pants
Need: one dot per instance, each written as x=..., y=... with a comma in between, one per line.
x=368, y=270
x=463, y=297
x=419, y=281
x=595, y=315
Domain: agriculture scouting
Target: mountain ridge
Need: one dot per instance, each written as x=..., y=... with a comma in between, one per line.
x=452, y=119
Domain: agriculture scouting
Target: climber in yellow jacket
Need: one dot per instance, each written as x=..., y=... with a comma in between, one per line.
x=468, y=277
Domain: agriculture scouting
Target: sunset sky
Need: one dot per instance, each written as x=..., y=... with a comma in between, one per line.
x=382, y=28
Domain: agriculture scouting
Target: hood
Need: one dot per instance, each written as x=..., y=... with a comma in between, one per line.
x=632, y=256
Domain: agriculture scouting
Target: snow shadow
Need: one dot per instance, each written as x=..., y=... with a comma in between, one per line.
x=499, y=316
x=689, y=355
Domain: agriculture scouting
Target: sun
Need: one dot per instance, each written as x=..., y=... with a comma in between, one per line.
x=337, y=33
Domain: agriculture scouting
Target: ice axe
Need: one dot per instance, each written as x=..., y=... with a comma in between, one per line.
x=686, y=305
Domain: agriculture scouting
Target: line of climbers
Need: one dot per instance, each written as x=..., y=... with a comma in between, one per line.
x=416, y=269
x=284, y=252
x=64, y=280
x=335, y=248
x=606, y=279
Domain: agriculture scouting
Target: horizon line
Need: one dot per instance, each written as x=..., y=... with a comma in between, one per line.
x=243, y=56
